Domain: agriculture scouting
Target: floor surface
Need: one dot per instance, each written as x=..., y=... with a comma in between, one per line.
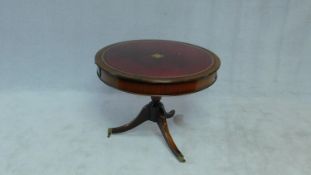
x=66, y=133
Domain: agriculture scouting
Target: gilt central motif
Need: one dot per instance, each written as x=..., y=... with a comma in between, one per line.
x=157, y=56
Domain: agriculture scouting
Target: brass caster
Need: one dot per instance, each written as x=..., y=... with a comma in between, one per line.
x=181, y=158
x=109, y=132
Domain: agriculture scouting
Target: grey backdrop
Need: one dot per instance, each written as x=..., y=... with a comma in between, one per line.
x=54, y=111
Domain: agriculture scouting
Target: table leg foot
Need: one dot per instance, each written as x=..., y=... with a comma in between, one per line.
x=168, y=138
x=163, y=111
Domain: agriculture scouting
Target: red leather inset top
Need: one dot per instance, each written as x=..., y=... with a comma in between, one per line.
x=157, y=58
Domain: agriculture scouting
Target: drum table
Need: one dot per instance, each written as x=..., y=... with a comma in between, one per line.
x=156, y=68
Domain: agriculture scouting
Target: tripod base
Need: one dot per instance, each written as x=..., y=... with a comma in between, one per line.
x=155, y=112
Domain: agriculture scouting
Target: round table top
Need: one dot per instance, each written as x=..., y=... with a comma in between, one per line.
x=153, y=63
